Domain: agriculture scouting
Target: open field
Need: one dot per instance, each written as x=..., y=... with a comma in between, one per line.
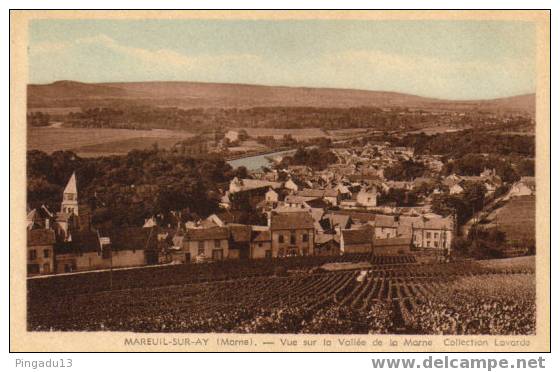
x=298, y=134
x=407, y=298
x=53, y=111
x=510, y=264
x=516, y=218
x=88, y=141
x=247, y=146
x=504, y=133
x=437, y=130
x=347, y=132
x=122, y=147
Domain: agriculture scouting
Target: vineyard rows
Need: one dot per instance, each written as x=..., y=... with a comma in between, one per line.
x=376, y=301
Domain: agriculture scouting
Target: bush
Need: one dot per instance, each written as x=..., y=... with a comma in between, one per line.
x=460, y=245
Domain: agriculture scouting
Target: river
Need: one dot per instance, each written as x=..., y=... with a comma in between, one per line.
x=255, y=162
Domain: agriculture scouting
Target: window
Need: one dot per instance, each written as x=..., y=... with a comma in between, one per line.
x=305, y=238
x=280, y=238
x=201, y=247
x=46, y=268
x=435, y=235
x=32, y=254
x=388, y=235
x=46, y=253
x=218, y=254
x=217, y=243
x=268, y=253
x=292, y=237
x=428, y=235
x=436, y=244
x=33, y=269
x=259, y=245
x=428, y=244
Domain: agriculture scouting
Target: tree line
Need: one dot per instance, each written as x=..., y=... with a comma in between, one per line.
x=124, y=190
x=144, y=116
x=317, y=158
x=457, y=144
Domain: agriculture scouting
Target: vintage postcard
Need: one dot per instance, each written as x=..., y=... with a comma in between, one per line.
x=374, y=181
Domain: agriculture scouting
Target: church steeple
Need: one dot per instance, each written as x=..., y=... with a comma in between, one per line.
x=70, y=197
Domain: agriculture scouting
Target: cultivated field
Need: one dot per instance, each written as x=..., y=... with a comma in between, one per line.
x=401, y=297
x=95, y=142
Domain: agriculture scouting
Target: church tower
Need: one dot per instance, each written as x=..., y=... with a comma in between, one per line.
x=70, y=197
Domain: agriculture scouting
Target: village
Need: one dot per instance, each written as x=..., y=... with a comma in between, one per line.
x=336, y=177
x=349, y=207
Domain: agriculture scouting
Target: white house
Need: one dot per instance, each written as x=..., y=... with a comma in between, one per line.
x=232, y=135
x=245, y=184
x=343, y=190
x=271, y=196
x=367, y=197
x=291, y=185
x=525, y=186
x=456, y=189
x=225, y=201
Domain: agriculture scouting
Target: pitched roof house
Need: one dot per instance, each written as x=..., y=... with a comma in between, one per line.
x=392, y=246
x=202, y=244
x=40, y=251
x=239, y=240
x=357, y=240
x=292, y=220
x=292, y=234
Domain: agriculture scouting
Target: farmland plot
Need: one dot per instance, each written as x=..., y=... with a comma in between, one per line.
x=93, y=142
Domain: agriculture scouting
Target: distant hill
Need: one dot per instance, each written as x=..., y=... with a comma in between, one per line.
x=203, y=95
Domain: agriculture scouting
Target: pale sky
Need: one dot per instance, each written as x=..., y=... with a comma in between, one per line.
x=441, y=59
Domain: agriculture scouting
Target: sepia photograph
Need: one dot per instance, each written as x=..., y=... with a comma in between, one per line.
x=270, y=178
